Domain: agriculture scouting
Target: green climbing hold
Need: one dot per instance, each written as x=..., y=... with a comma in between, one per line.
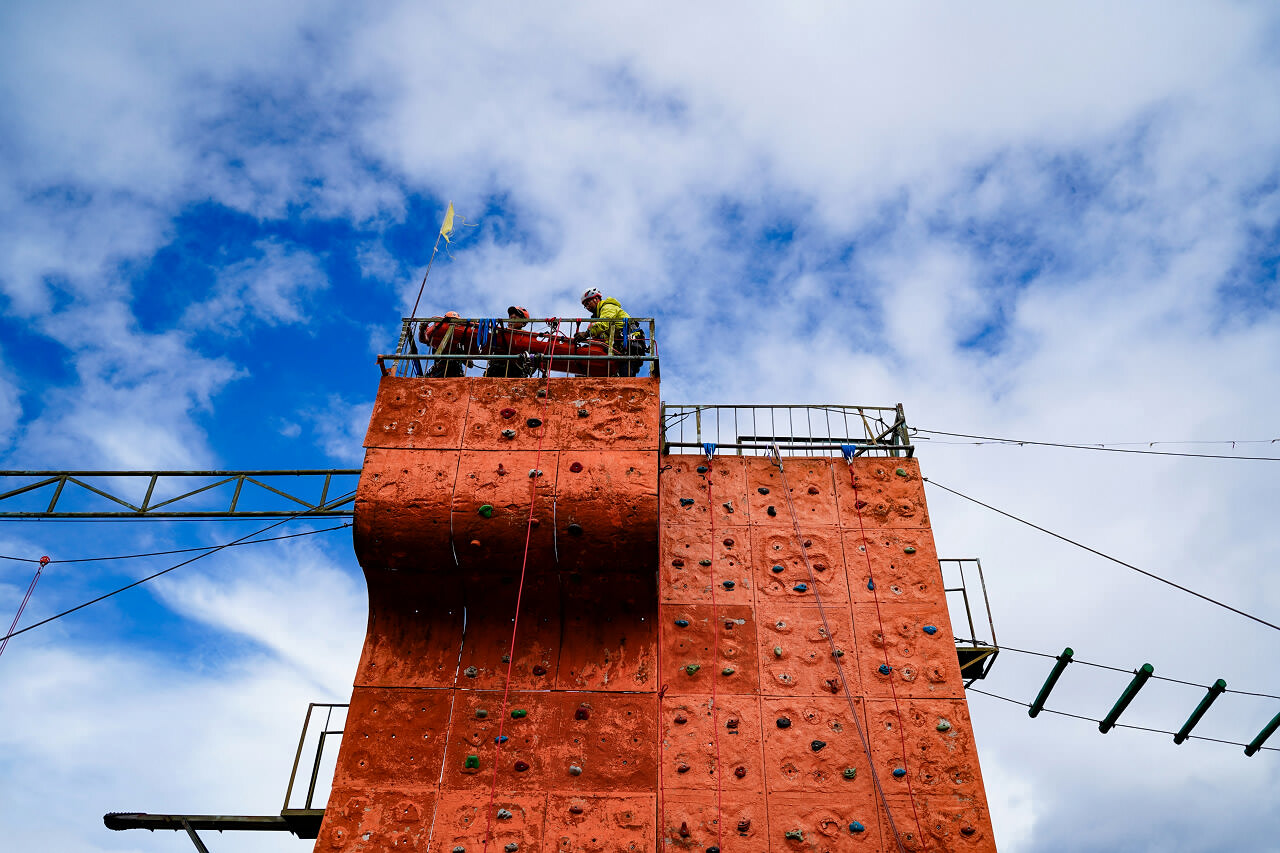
x=728, y=670
x=486, y=510
x=481, y=713
x=704, y=562
x=518, y=713
x=838, y=653
x=777, y=651
x=944, y=725
x=901, y=472
x=472, y=762
x=910, y=549
x=692, y=668
x=851, y=773
x=795, y=835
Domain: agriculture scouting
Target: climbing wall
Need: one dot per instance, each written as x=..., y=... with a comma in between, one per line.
x=465, y=481
x=707, y=653
x=814, y=700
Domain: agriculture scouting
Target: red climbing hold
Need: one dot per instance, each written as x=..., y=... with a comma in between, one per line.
x=576, y=467
x=813, y=490
x=508, y=413
x=859, y=504
x=740, y=771
x=521, y=766
x=539, y=670
x=582, y=713
x=684, y=830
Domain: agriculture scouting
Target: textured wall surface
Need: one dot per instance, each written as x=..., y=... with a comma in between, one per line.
x=692, y=668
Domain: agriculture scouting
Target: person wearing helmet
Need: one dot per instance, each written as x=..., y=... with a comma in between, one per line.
x=452, y=367
x=620, y=336
x=522, y=365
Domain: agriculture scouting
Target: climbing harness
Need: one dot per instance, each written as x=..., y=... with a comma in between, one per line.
x=844, y=683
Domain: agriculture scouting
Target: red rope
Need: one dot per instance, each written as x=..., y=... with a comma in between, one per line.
x=875, y=595
x=515, y=625
x=44, y=561
x=715, y=653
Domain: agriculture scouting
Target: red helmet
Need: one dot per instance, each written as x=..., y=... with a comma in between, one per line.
x=592, y=293
x=454, y=314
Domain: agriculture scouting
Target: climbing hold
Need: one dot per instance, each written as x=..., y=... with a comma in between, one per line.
x=459, y=849
x=501, y=739
x=541, y=392
x=777, y=570
x=771, y=511
x=575, y=529
x=899, y=772
x=539, y=669
x=508, y=433
x=503, y=814
x=582, y=413
x=943, y=725
x=481, y=713
x=833, y=684
x=533, y=423
x=838, y=653
x=508, y=413
x=713, y=849
x=967, y=830
x=519, y=713
x=486, y=510
x=684, y=830
x=692, y=669
x=704, y=562
x=728, y=584
x=728, y=670
x=576, y=467
x=472, y=762
x=506, y=658
x=740, y=771
x=780, y=624
x=575, y=770
x=471, y=672
x=784, y=722
x=929, y=629
x=681, y=719
x=582, y=713
x=885, y=669
x=728, y=543
x=794, y=835
x=851, y=773
x=813, y=490
x=682, y=767
x=682, y=623
x=859, y=504
x=511, y=847
x=678, y=562
x=819, y=568
x=762, y=490
x=575, y=809
x=808, y=543
x=854, y=826
x=744, y=825
x=535, y=473
x=801, y=587
x=871, y=585
x=686, y=502
x=702, y=469
x=728, y=505
x=817, y=745
x=901, y=472
x=521, y=766
x=777, y=651
x=910, y=549
x=732, y=723
x=728, y=624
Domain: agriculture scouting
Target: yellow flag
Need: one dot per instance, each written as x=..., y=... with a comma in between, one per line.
x=447, y=228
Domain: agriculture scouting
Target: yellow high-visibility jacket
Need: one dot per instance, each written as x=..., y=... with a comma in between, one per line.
x=610, y=312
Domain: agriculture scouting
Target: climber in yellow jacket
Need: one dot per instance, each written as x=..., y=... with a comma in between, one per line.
x=613, y=330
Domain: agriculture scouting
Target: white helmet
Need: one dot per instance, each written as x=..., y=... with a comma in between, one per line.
x=592, y=293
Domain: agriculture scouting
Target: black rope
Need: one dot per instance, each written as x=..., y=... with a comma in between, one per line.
x=1017, y=442
x=177, y=550
x=1117, y=725
x=216, y=549
x=1116, y=560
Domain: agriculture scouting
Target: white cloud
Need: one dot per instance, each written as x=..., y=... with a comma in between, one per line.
x=271, y=288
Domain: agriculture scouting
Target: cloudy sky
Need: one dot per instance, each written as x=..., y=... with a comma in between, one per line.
x=1050, y=225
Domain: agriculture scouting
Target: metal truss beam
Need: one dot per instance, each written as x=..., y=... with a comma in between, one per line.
x=117, y=495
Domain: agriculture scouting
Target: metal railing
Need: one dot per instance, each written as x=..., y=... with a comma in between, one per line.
x=317, y=738
x=793, y=430
x=506, y=347
x=976, y=655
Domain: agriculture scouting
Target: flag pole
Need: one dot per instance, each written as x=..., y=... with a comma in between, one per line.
x=445, y=227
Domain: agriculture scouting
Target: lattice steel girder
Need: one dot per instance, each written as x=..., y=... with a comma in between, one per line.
x=313, y=493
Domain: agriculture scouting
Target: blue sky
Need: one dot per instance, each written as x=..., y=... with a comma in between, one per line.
x=1056, y=224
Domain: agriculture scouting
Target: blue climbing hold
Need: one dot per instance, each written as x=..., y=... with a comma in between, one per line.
x=871, y=585
x=682, y=623
x=854, y=826
x=885, y=669
x=702, y=469
x=929, y=629
x=899, y=772
x=501, y=739
x=777, y=570
x=801, y=587
x=686, y=502
x=728, y=584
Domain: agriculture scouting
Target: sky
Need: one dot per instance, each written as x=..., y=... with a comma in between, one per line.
x=1050, y=223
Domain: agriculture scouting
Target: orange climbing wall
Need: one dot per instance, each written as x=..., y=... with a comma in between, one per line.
x=775, y=638
x=642, y=572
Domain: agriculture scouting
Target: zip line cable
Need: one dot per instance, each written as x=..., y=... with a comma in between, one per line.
x=1116, y=560
x=1109, y=448
x=216, y=549
x=1118, y=725
x=176, y=550
x=1128, y=671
